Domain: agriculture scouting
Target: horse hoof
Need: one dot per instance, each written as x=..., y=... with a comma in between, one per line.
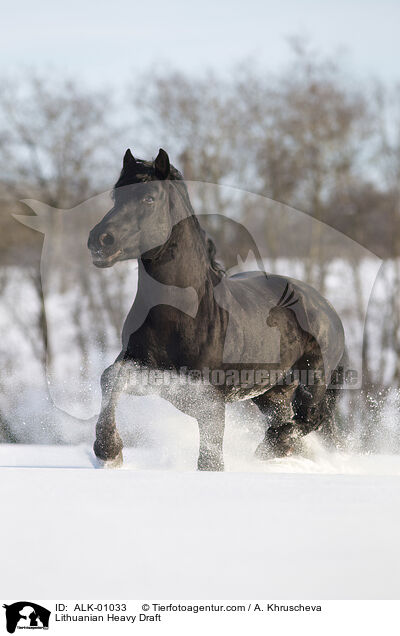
x=116, y=462
x=283, y=440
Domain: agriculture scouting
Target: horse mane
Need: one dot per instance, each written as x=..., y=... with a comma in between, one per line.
x=145, y=172
x=211, y=252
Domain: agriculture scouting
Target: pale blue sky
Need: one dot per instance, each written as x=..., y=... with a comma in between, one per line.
x=111, y=40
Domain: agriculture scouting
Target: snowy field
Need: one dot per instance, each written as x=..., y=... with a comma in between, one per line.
x=323, y=527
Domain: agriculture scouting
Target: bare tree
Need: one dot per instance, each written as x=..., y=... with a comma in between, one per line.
x=59, y=144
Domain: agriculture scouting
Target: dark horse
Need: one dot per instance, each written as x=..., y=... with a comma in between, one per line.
x=271, y=339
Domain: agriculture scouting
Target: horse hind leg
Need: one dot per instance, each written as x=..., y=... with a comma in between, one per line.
x=315, y=411
x=276, y=405
x=315, y=405
x=295, y=413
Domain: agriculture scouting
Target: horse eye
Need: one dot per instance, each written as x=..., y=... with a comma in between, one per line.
x=148, y=199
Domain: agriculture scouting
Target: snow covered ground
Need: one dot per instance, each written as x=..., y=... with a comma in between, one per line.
x=320, y=527
x=316, y=461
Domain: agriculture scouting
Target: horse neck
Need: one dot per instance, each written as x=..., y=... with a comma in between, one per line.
x=182, y=261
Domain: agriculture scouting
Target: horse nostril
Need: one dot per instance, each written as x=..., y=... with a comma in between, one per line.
x=106, y=239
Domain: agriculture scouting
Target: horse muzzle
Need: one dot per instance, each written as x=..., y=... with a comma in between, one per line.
x=105, y=261
x=102, y=248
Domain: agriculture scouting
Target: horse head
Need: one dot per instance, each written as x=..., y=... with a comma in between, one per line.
x=144, y=211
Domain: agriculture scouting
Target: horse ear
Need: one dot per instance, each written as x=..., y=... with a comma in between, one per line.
x=129, y=160
x=162, y=165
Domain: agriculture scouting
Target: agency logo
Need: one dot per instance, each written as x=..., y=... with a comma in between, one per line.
x=26, y=615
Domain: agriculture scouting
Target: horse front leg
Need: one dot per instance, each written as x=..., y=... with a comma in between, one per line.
x=108, y=444
x=211, y=429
